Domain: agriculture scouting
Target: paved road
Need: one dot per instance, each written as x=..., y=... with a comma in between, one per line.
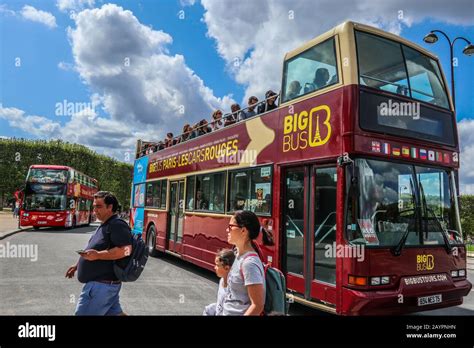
x=168, y=285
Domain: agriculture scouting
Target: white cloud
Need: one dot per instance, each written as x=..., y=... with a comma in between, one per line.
x=466, y=142
x=36, y=125
x=30, y=13
x=65, y=66
x=74, y=5
x=4, y=9
x=260, y=32
x=128, y=67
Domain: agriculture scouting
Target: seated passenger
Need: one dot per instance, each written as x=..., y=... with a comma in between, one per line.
x=217, y=204
x=234, y=116
x=250, y=111
x=239, y=202
x=270, y=103
x=293, y=90
x=321, y=78
x=216, y=120
x=200, y=202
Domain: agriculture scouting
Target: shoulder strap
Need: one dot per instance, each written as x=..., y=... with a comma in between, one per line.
x=246, y=256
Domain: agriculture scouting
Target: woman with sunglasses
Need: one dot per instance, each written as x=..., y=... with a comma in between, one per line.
x=246, y=280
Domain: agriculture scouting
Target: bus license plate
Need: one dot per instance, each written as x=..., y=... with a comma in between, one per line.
x=428, y=300
x=41, y=222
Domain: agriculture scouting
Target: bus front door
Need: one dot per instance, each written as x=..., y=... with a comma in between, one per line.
x=176, y=216
x=309, y=232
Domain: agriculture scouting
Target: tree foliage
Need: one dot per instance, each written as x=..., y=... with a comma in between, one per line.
x=16, y=156
x=467, y=214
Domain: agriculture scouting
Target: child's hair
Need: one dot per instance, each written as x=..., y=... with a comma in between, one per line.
x=249, y=220
x=226, y=256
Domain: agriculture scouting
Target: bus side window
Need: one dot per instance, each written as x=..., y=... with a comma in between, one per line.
x=164, y=191
x=251, y=190
x=190, y=183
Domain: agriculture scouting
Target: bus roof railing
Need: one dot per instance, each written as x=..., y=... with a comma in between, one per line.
x=233, y=116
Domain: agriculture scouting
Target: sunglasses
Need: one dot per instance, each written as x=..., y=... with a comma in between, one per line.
x=232, y=225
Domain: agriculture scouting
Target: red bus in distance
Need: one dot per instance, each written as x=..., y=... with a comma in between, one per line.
x=355, y=174
x=57, y=196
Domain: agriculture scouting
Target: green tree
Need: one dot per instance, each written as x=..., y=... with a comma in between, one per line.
x=467, y=214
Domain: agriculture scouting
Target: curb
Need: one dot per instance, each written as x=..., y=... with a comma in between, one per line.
x=8, y=234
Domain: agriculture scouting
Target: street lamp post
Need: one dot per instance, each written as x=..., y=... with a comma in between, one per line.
x=431, y=38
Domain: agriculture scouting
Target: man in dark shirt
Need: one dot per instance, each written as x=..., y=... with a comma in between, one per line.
x=111, y=241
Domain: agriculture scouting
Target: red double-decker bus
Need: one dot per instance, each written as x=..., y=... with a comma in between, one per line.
x=57, y=196
x=355, y=174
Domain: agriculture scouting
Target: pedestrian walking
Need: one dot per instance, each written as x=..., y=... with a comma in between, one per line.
x=110, y=243
x=246, y=280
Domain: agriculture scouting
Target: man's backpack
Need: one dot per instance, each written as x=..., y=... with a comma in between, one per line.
x=275, y=289
x=136, y=261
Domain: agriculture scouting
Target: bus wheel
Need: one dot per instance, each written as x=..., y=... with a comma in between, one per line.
x=151, y=241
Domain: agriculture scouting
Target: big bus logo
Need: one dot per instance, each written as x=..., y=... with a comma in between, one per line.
x=424, y=262
x=307, y=128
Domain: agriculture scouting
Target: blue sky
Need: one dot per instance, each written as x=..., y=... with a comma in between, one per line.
x=191, y=59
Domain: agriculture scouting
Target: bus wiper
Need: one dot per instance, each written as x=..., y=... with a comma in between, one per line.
x=397, y=250
x=443, y=232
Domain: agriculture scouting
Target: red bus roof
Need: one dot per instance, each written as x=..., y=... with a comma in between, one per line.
x=49, y=166
x=59, y=167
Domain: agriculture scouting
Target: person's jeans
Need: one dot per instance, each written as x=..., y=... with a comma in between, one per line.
x=99, y=299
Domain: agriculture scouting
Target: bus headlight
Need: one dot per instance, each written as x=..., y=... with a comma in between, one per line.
x=375, y=281
x=462, y=272
x=454, y=274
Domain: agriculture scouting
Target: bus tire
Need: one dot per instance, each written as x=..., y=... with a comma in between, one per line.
x=151, y=242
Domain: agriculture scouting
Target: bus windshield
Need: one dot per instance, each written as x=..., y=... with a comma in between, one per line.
x=393, y=67
x=45, y=197
x=394, y=199
x=47, y=175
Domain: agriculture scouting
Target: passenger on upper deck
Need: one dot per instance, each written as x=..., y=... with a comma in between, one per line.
x=169, y=141
x=234, y=116
x=187, y=130
x=203, y=127
x=250, y=111
x=293, y=90
x=216, y=120
x=270, y=104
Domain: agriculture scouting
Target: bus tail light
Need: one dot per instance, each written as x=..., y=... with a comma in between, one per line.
x=355, y=280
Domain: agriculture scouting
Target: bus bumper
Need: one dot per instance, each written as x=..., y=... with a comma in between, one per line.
x=43, y=222
x=402, y=300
